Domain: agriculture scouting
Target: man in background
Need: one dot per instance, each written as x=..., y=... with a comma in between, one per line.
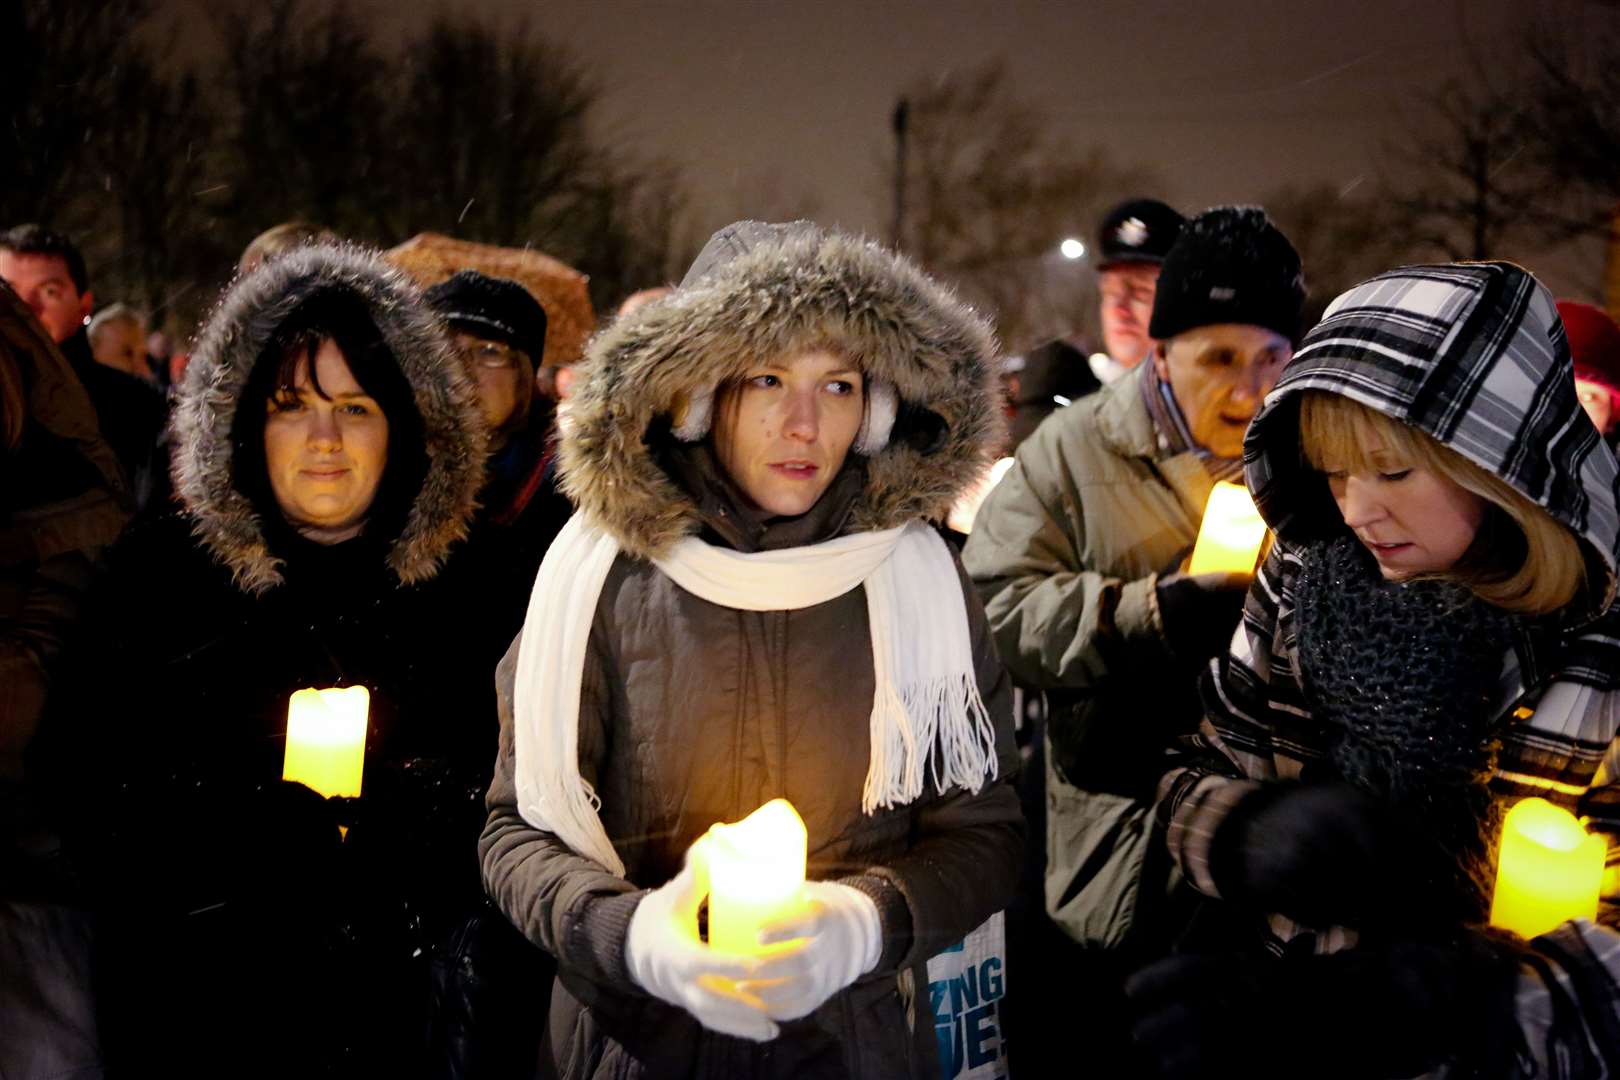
x=1132, y=242
x=118, y=339
x=1131, y=245
x=1594, y=344
x=1078, y=555
x=47, y=271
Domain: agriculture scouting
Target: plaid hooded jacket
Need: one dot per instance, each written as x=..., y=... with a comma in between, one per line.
x=1473, y=355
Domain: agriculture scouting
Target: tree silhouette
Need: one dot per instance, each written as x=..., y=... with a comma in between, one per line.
x=989, y=195
x=164, y=172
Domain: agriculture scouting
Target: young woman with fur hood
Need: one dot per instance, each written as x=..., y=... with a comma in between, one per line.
x=748, y=605
x=1431, y=639
x=328, y=445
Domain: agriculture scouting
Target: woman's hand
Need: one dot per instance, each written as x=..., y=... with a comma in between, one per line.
x=1322, y=854
x=666, y=957
x=833, y=941
x=1396, y=1009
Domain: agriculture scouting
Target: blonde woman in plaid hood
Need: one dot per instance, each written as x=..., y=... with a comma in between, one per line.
x=1431, y=639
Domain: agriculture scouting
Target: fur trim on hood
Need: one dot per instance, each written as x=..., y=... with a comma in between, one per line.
x=775, y=290
x=252, y=308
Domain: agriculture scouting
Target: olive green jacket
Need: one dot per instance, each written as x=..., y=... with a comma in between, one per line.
x=1066, y=553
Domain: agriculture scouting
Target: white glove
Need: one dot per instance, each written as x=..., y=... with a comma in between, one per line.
x=836, y=939
x=668, y=959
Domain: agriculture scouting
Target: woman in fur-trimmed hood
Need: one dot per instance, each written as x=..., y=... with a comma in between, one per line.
x=328, y=446
x=1432, y=639
x=749, y=604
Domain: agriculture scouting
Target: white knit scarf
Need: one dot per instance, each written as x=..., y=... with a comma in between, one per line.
x=927, y=716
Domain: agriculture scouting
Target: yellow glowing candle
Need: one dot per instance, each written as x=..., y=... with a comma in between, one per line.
x=756, y=874
x=326, y=739
x=966, y=508
x=1550, y=869
x=1233, y=530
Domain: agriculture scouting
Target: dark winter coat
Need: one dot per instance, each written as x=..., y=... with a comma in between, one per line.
x=693, y=713
x=132, y=415
x=1472, y=355
x=521, y=512
x=63, y=501
x=243, y=935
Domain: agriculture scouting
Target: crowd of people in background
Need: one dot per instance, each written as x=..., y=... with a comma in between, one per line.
x=1185, y=824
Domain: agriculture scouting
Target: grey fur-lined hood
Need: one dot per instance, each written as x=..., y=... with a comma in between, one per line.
x=764, y=291
x=223, y=518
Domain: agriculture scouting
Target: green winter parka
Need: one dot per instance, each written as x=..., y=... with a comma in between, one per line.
x=1066, y=553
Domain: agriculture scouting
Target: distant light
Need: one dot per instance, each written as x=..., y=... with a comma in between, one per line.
x=1072, y=249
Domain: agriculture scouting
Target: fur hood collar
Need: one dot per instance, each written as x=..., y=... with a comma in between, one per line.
x=763, y=291
x=223, y=518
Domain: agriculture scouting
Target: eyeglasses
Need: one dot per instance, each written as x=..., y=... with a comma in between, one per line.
x=490, y=355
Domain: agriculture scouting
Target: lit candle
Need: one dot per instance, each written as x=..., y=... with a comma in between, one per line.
x=326, y=739
x=756, y=874
x=1233, y=530
x=966, y=508
x=1550, y=870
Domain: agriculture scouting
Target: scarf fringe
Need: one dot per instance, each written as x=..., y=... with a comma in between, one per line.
x=940, y=727
x=927, y=720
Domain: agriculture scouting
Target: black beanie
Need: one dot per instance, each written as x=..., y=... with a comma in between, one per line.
x=1229, y=265
x=494, y=308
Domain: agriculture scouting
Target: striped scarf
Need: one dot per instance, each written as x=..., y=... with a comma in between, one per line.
x=1174, y=434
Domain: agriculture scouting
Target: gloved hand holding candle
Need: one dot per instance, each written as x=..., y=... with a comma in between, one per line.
x=668, y=959
x=811, y=939
x=833, y=940
x=779, y=946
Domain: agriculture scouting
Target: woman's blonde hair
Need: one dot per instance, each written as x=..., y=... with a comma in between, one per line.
x=1521, y=560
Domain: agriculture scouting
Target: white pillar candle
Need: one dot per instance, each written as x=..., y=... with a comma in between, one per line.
x=1549, y=869
x=326, y=739
x=756, y=875
x=1230, y=537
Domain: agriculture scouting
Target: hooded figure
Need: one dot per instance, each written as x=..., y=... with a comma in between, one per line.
x=1430, y=640
x=328, y=446
x=748, y=605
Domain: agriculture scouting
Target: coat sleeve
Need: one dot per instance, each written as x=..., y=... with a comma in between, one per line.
x=1567, y=1000
x=1567, y=1004
x=963, y=865
x=1058, y=624
x=1233, y=751
x=569, y=905
x=32, y=643
x=1592, y=689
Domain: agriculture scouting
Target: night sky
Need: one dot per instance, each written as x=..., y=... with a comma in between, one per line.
x=767, y=107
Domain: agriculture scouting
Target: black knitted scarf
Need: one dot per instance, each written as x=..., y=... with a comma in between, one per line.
x=1405, y=674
